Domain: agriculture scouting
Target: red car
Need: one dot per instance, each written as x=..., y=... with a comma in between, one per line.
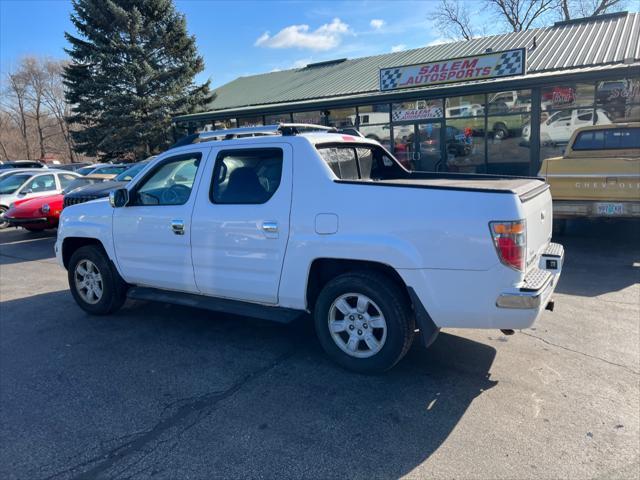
x=38, y=214
x=35, y=214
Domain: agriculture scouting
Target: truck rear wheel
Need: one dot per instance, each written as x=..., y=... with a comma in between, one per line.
x=364, y=322
x=95, y=285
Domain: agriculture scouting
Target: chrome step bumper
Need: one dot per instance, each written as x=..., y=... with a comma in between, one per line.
x=539, y=283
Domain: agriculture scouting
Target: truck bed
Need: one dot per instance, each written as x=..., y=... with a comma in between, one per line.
x=523, y=187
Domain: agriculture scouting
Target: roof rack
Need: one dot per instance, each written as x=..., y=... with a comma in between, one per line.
x=285, y=129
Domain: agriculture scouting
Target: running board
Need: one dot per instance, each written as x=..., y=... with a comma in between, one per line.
x=225, y=305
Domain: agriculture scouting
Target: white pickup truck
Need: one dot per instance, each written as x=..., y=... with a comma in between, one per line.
x=274, y=222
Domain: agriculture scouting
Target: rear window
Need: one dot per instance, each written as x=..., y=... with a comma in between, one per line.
x=609, y=139
x=359, y=162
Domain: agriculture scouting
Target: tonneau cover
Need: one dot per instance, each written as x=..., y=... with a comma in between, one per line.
x=524, y=187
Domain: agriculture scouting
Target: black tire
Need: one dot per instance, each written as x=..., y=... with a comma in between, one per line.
x=500, y=131
x=392, y=302
x=3, y=224
x=114, y=289
x=34, y=230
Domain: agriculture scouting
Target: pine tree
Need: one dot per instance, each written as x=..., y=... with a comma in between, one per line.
x=132, y=69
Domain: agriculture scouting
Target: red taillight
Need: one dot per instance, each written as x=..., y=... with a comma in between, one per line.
x=510, y=240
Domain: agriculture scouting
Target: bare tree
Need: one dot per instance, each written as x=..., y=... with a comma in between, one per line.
x=522, y=14
x=35, y=73
x=57, y=103
x=452, y=18
x=34, y=111
x=456, y=20
x=3, y=127
x=589, y=8
x=15, y=105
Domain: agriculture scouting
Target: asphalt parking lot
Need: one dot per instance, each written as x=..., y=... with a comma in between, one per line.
x=171, y=392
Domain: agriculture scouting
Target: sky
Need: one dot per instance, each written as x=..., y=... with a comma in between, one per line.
x=240, y=38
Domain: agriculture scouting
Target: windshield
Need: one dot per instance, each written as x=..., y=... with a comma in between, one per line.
x=86, y=170
x=79, y=182
x=128, y=175
x=13, y=182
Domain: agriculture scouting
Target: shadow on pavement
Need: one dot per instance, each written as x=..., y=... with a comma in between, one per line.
x=601, y=256
x=18, y=245
x=188, y=391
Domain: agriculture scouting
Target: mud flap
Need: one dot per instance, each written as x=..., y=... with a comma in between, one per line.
x=428, y=330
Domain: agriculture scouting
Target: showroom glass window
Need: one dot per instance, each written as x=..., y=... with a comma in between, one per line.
x=619, y=100
x=374, y=123
x=404, y=116
x=565, y=108
x=464, y=134
x=277, y=118
x=508, y=132
x=341, y=117
x=250, y=121
x=226, y=123
x=315, y=117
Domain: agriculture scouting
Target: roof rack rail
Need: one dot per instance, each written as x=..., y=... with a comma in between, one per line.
x=285, y=129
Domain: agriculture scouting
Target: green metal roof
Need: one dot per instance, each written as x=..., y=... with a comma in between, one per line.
x=566, y=46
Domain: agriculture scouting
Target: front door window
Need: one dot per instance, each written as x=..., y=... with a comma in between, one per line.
x=428, y=147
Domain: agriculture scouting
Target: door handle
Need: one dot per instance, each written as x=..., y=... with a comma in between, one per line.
x=270, y=227
x=177, y=226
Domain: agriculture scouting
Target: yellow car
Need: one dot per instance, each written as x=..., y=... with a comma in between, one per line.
x=598, y=175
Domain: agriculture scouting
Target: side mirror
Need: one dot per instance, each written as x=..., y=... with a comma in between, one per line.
x=119, y=198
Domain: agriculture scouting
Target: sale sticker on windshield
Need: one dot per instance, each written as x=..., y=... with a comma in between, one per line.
x=489, y=65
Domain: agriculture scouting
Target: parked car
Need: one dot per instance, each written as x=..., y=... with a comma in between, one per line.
x=73, y=167
x=278, y=225
x=598, y=175
x=31, y=184
x=100, y=190
x=22, y=164
x=558, y=128
x=103, y=168
x=467, y=110
x=13, y=171
x=41, y=213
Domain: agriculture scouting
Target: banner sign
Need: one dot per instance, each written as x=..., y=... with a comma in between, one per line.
x=416, y=114
x=477, y=67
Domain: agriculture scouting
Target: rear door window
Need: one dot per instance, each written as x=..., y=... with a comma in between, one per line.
x=246, y=176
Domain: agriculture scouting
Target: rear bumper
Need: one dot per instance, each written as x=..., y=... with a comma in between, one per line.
x=589, y=208
x=497, y=298
x=539, y=283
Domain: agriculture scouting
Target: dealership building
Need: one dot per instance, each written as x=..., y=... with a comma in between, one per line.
x=497, y=104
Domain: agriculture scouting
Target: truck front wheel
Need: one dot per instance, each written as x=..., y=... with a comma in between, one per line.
x=95, y=285
x=364, y=321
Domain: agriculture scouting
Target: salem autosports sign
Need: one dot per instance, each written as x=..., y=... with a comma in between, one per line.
x=476, y=67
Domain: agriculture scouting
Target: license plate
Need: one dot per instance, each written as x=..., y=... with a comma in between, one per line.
x=609, y=208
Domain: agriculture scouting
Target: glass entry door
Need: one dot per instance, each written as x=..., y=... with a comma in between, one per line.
x=427, y=151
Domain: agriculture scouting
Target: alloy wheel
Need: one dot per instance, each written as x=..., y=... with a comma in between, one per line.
x=357, y=325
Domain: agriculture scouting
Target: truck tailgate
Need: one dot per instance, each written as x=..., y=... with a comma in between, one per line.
x=538, y=213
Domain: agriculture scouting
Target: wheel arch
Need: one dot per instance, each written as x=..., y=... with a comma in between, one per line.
x=322, y=270
x=71, y=244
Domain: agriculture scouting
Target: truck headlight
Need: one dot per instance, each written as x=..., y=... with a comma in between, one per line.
x=45, y=209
